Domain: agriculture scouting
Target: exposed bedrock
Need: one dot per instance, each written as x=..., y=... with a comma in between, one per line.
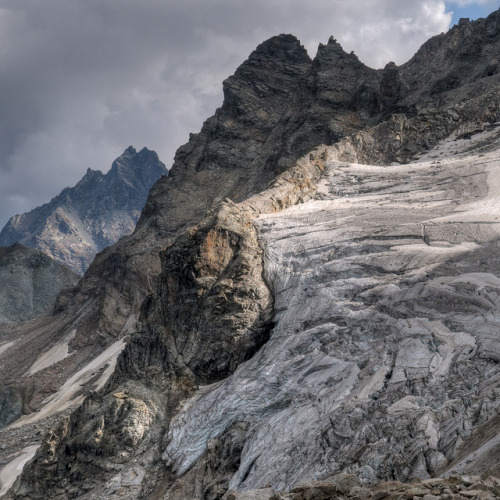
x=237, y=151
x=11, y=405
x=211, y=312
x=467, y=53
x=30, y=282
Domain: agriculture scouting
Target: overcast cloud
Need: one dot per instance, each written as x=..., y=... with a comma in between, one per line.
x=81, y=80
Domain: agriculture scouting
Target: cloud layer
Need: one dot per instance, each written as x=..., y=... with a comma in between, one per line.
x=83, y=79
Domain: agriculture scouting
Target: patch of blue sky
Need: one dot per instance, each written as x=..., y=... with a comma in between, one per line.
x=470, y=9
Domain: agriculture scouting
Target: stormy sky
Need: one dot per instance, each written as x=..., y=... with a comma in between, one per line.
x=81, y=80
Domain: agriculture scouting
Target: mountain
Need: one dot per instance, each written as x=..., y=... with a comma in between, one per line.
x=30, y=281
x=312, y=291
x=90, y=216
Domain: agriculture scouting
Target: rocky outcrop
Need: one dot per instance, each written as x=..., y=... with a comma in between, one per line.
x=30, y=282
x=201, y=340
x=235, y=153
x=106, y=304
x=465, y=54
x=90, y=216
x=278, y=106
x=350, y=487
x=320, y=312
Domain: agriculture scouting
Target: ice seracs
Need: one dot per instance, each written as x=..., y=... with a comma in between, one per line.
x=373, y=320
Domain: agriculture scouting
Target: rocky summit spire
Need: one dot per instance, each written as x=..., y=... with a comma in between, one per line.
x=284, y=47
x=241, y=148
x=90, y=216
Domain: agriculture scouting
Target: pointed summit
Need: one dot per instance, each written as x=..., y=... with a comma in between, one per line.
x=270, y=64
x=92, y=215
x=333, y=52
x=284, y=47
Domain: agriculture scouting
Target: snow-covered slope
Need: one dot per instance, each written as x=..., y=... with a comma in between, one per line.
x=385, y=351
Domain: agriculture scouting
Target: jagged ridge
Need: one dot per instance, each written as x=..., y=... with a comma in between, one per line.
x=92, y=215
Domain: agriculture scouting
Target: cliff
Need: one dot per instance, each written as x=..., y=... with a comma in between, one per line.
x=30, y=281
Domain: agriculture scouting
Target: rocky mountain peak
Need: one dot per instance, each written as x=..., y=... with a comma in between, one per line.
x=89, y=177
x=91, y=172
x=333, y=54
x=133, y=166
x=93, y=214
x=284, y=47
x=331, y=50
x=466, y=53
x=270, y=68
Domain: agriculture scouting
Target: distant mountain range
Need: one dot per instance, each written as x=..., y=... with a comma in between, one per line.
x=94, y=214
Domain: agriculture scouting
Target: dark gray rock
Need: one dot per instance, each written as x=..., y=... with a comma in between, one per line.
x=11, y=406
x=463, y=55
x=30, y=282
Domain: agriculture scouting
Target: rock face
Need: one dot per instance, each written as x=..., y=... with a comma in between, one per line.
x=30, y=282
x=90, y=216
x=349, y=486
x=305, y=309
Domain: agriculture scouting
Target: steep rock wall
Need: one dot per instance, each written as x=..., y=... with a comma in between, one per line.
x=30, y=282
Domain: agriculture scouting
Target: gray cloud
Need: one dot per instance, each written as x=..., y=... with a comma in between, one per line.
x=83, y=79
